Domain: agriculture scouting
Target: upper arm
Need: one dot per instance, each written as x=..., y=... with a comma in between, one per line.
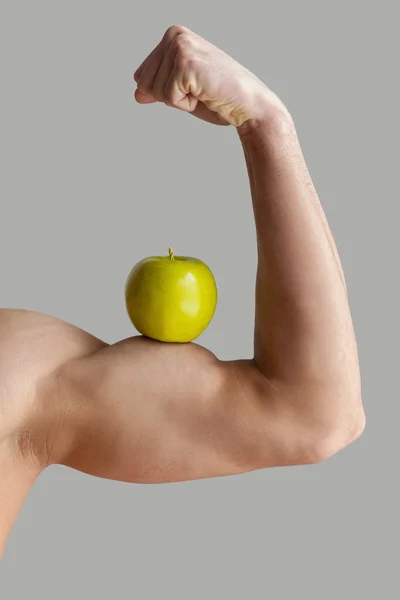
x=142, y=410
x=168, y=412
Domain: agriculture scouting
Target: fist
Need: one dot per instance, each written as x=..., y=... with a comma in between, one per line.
x=187, y=72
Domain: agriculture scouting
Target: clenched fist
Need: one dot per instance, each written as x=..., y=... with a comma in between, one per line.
x=187, y=72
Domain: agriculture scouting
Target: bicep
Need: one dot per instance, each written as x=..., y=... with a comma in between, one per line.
x=173, y=412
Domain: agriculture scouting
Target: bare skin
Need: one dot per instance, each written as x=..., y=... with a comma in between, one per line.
x=144, y=411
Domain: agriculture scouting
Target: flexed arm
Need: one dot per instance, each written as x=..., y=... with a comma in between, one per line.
x=145, y=411
x=176, y=412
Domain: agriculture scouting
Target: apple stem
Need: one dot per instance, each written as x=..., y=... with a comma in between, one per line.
x=171, y=253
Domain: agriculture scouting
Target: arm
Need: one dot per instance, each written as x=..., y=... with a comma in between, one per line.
x=177, y=412
x=143, y=411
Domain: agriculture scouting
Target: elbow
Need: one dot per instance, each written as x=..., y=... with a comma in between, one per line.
x=327, y=441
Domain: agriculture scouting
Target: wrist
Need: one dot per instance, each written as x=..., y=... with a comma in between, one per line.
x=271, y=122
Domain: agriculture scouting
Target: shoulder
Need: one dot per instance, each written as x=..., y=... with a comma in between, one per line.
x=35, y=343
x=33, y=346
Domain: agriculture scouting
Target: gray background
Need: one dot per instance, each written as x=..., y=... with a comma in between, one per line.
x=91, y=182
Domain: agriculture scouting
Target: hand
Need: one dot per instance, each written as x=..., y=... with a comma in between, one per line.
x=187, y=72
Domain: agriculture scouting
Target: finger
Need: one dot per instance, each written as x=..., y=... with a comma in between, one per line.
x=139, y=70
x=163, y=75
x=167, y=64
x=147, y=71
x=146, y=79
x=142, y=98
x=141, y=67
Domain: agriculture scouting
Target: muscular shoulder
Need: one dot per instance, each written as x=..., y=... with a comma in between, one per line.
x=32, y=346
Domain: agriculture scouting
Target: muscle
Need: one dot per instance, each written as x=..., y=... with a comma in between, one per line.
x=32, y=347
x=172, y=412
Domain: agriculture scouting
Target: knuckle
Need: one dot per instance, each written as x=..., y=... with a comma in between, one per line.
x=145, y=89
x=144, y=86
x=181, y=59
x=182, y=43
x=173, y=31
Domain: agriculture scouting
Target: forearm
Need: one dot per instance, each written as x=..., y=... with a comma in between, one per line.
x=303, y=322
x=305, y=349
